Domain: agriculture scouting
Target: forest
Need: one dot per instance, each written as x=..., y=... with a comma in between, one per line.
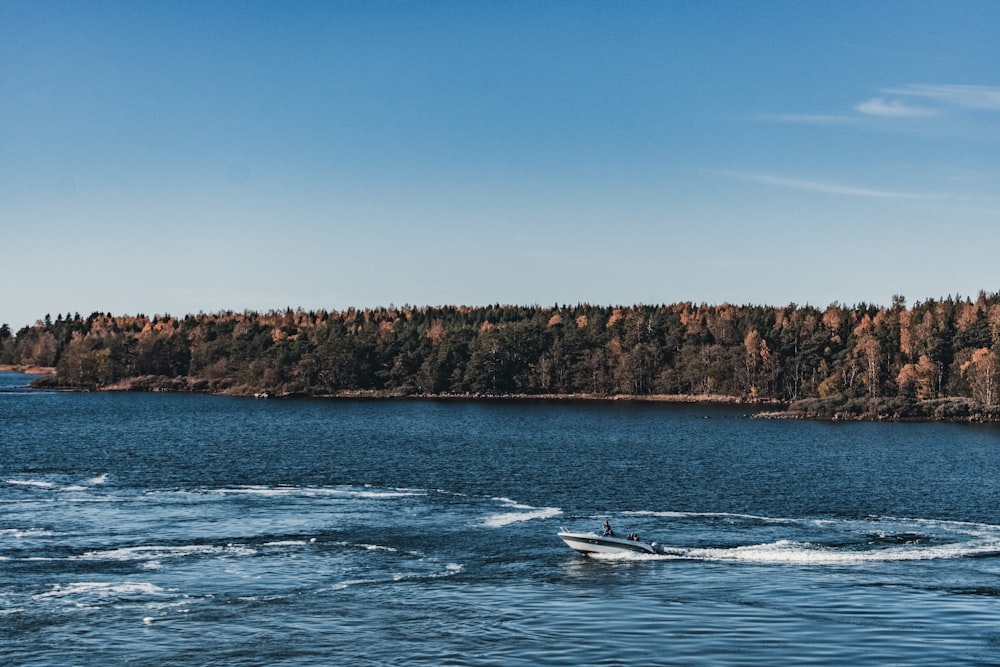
x=936, y=359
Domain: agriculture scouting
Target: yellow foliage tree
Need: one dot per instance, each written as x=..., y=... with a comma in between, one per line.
x=980, y=373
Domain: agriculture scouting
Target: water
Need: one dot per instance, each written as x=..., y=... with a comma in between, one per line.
x=163, y=529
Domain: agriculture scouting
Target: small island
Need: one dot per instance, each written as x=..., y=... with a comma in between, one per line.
x=936, y=360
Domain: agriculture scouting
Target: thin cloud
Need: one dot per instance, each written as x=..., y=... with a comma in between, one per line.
x=980, y=98
x=908, y=101
x=879, y=106
x=824, y=187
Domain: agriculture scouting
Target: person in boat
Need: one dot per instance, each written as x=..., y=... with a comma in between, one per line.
x=607, y=529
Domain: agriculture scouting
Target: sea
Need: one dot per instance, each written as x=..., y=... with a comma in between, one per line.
x=174, y=529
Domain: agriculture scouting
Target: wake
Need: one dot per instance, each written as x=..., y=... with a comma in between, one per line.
x=745, y=538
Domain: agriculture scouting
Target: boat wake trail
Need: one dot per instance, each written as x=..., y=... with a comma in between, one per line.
x=748, y=538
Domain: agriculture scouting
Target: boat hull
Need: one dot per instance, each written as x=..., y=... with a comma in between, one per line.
x=592, y=543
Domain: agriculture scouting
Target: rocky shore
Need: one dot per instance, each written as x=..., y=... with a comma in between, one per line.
x=888, y=409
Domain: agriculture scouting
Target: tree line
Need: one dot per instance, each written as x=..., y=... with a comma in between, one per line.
x=935, y=349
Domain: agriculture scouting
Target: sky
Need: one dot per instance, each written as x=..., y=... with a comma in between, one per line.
x=184, y=157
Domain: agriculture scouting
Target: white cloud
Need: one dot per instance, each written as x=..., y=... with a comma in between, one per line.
x=879, y=106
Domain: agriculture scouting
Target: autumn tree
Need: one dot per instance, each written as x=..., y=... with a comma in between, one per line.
x=980, y=372
x=868, y=355
x=918, y=380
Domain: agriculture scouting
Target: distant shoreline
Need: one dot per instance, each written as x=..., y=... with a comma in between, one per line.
x=49, y=380
x=880, y=409
x=202, y=386
x=647, y=398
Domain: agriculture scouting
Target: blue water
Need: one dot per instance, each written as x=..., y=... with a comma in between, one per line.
x=166, y=529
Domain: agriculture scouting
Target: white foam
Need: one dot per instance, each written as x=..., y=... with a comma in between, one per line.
x=100, y=479
x=30, y=482
x=528, y=513
x=711, y=515
x=19, y=533
x=782, y=551
x=257, y=490
x=367, y=492
x=349, y=492
x=805, y=553
x=512, y=503
x=341, y=585
x=384, y=494
x=285, y=543
x=970, y=527
x=865, y=540
x=507, y=518
x=101, y=589
x=155, y=553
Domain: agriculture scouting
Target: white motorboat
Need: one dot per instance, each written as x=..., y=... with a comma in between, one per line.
x=594, y=543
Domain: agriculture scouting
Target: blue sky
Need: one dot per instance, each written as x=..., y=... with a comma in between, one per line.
x=181, y=157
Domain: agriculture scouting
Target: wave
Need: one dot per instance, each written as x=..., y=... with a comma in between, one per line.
x=733, y=516
x=102, y=590
x=59, y=485
x=154, y=553
x=345, y=491
x=521, y=512
x=39, y=484
x=448, y=570
x=512, y=503
x=157, y=552
x=21, y=533
x=505, y=519
x=524, y=513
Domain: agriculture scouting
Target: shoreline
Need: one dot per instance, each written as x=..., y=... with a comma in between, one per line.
x=49, y=380
x=942, y=410
x=646, y=398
